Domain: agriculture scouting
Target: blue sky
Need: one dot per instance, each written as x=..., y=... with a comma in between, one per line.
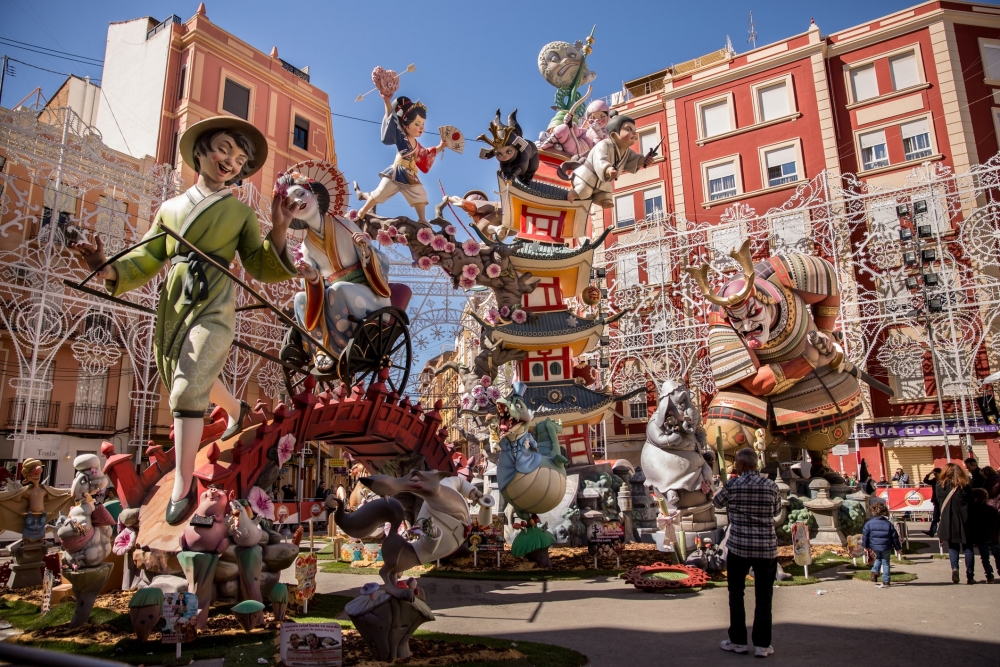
x=471, y=57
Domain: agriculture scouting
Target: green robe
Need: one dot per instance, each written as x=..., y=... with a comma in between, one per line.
x=192, y=339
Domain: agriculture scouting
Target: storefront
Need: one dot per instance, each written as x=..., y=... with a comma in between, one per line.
x=918, y=447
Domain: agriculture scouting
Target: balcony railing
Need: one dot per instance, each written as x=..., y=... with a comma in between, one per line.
x=288, y=67
x=35, y=413
x=85, y=417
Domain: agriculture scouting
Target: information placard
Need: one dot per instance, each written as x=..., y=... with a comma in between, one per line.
x=312, y=645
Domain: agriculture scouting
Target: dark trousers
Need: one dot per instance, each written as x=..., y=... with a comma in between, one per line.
x=764, y=572
x=985, y=551
x=970, y=560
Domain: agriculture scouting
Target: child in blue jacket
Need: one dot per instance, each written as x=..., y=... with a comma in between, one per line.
x=880, y=536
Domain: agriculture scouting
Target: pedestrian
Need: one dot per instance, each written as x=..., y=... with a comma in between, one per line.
x=930, y=479
x=991, y=482
x=752, y=502
x=881, y=537
x=976, y=479
x=901, y=478
x=289, y=492
x=952, y=492
x=882, y=484
x=320, y=491
x=984, y=528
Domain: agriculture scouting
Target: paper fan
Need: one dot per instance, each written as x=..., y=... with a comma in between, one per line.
x=452, y=137
x=331, y=178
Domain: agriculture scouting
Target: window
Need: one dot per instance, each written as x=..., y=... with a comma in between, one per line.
x=649, y=139
x=624, y=211
x=863, y=83
x=715, y=119
x=555, y=368
x=873, y=152
x=637, y=408
x=653, y=203
x=773, y=101
x=916, y=139
x=991, y=60
x=176, y=150
x=236, y=99
x=301, y=137
x=538, y=370
x=725, y=239
x=628, y=270
x=656, y=266
x=790, y=231
x=905, y=73
x=721, y=181
x=781, y=166
x=181, y=81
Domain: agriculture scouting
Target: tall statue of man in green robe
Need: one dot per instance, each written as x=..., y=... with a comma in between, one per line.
x=196, y=314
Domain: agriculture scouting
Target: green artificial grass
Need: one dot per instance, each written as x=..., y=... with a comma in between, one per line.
x=894, y=576
x=824, y=561
x=323, y=608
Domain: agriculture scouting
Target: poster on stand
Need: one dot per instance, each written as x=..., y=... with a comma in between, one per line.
x=486, y=538
x=180, y=612
x=311, y=645
x=801, y=547
x=607, y=539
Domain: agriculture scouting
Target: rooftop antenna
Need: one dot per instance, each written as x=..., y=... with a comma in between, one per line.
x=751, y=32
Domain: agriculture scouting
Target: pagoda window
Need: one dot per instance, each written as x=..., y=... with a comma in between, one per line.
x=555, y=368
x=542, y=224
x=546, y=365
x=547, y=295
x=537, y=371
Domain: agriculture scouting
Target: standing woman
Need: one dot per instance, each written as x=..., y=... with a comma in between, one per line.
x=930, y=479
x=952, y=493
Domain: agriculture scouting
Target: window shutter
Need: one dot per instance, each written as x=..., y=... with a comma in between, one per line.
x=872, y=139
x=916, y=128
x=648, y=141
x=904, y=71
x=715, y=118
x=774, y=102
x=656, y=264
x=236, y=99
x=780, y=156
x=864, y=82
x=624, y=210
x=991, y=61
x=721, y=171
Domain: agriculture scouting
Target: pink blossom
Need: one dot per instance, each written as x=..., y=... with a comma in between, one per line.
x=384, y=238
x=467, y=283
x=425, y=263
x=260, y=503
x=124, y=542
x=435, y=259
x=392, y=231
x=492, y=316
x=470, y=271
x=466, y=402
x=482, y=402
x=493, y=393
x=485, y=381
x=297, y=257
x=286, y=447
x=504, y=311
x=449, y=247
x=450, y=230
x=439, y=242
x=352, y=214
x=493, y=270
x=519, y=316
x=425, y=236
x=478, y=391
x=471, y=248
x=402, y=239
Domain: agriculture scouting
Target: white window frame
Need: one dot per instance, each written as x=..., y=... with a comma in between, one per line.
x=236, y=78
x=886, y=55
x=983, y=43
x=778, y=244
x=995, y=112
x=701, y=104
x=737, y=169
x=721, y=232
x=916, y=60
x=645, y=131
x=929, y=149
x=638, y=403
x=758, y=111
x=657, y=265
x=663, y=202
x=885, y=142
x=630, y=195
x=850, y=83
x=762, y=152
x=627, y=269
x=925, y=115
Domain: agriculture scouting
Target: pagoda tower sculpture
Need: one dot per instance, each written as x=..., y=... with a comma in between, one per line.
x=551, y=234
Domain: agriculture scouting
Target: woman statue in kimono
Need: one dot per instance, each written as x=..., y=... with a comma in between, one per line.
x=403, y=124
x=196, y=313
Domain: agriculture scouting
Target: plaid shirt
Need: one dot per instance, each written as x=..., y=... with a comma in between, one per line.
x=753, y=501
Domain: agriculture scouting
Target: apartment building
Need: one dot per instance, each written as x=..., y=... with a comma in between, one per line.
x=823, y=144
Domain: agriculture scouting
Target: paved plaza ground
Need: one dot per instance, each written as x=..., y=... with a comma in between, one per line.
x=926, y=622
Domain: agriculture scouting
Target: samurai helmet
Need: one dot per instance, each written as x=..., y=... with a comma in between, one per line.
x=747, y=292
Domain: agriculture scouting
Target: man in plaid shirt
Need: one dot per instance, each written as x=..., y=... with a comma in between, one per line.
x=752, y=502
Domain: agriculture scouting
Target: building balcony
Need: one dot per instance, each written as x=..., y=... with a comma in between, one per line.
x=85, y=417
x=34, y=413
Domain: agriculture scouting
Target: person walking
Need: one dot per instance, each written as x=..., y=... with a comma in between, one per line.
x=930, y=479
x=901, y=478
x=984, y=529
x=991, y=482
x=952, y=492
x=752, y=502
x=976, y=479
x=881, y=537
